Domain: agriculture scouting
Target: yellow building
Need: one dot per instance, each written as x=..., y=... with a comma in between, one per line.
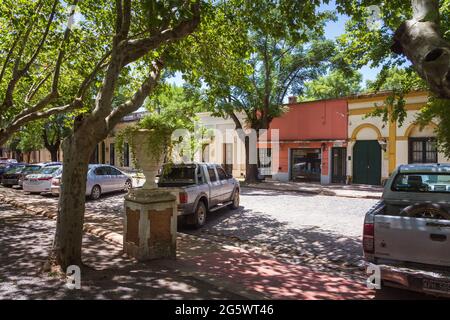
x=376, y=148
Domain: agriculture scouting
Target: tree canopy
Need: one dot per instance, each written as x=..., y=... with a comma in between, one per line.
x=336, y=84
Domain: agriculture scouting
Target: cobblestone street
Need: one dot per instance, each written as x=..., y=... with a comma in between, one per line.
x=298, y=227
x=301, y=228
x=307, y=232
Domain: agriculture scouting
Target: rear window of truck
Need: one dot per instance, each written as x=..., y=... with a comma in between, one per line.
x=178, y=174
x=422, y=182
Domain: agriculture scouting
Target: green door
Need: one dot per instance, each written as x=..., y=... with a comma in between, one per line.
x=367, y=162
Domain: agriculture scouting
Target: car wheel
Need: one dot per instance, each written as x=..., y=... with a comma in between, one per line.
x=96, y=192
x=128, y=185
x=200, y=215
x=235, y=204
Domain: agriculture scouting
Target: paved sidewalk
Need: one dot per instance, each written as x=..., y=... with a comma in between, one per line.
x=338, y=190
x=231, y=270
x=108, y=274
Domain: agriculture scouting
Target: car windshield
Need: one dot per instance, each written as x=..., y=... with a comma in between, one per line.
x=30, y=169
x=178, y=174
x=422, y=182
x=15, y=169
x=49, y=170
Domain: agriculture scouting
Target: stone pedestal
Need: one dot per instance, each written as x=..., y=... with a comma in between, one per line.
x=150, y=224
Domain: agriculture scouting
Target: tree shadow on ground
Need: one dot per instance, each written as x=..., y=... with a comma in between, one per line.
x=300, y=244
x=26, y=243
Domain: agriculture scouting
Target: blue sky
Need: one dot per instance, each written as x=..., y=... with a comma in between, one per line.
x=333, y=29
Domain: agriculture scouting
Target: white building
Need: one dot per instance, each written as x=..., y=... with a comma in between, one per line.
x=227, y=150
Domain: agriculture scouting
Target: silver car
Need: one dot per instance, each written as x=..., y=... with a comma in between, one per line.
x=101, y=178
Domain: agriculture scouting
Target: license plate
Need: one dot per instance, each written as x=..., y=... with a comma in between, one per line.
x=438, y=286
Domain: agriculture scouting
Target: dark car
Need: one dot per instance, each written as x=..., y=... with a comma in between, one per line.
x=15, y=176
x=11, y=176
x=4, y=167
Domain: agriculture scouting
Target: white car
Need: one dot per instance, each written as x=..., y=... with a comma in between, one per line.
x=42, y=181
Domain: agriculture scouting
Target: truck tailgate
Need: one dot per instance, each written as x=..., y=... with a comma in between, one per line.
x=409, y=239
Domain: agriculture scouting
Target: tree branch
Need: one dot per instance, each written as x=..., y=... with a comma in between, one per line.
x=420, y=40
x=6, y=133
x=136, y=101
x=135, y=49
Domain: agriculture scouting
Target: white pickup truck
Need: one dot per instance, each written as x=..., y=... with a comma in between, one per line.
x=407, y=234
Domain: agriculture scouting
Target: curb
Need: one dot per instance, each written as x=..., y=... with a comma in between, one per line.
x=315, y=192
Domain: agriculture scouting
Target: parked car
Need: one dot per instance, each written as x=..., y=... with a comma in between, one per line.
x=11, y=176
x=101, y=179
x=7, y=161
x=30, y=169
x=41, y=181
x=4, y=167
x=200, y=188
x=407, y=234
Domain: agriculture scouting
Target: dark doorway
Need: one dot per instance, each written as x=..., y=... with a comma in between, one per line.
x=94, y=156
x=339, y=165
x=367, y=162
x=103, y=150
x=126, y=155
x=112, y=154
x=305, y=164
x=228, y=157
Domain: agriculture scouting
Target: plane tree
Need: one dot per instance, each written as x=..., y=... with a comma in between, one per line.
x=283, y=47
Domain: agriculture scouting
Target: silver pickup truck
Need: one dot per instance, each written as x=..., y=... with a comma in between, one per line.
x=407, y=234
x=199, y=188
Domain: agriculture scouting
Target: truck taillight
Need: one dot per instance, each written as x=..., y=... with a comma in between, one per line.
x=183, y=197
x=369, y=238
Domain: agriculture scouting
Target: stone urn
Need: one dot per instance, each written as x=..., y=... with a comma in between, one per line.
x=146, y=160
x=150, y=219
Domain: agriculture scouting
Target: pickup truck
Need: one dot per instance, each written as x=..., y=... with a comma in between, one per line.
x=200, y=188
x=407, y=234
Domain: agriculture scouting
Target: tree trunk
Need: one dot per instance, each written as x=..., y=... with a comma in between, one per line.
x=251, y=169
x=54, y=155
x=53, y=152
x=420, y=40
x=69, y=227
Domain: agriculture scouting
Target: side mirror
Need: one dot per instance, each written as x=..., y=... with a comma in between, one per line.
x=383, y=182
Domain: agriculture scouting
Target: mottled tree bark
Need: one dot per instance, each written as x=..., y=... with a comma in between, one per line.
x=420, y=40
x=69, y=227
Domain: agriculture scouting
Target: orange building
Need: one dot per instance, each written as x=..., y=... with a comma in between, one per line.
x=312, y=142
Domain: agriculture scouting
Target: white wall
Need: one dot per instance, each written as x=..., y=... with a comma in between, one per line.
x=215, y=152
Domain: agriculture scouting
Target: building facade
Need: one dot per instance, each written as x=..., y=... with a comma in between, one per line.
x=326, y=141
x=224, y=146
x=376, y=148
x=312, y=142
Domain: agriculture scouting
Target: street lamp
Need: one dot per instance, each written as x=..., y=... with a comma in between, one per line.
x=383, y=143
